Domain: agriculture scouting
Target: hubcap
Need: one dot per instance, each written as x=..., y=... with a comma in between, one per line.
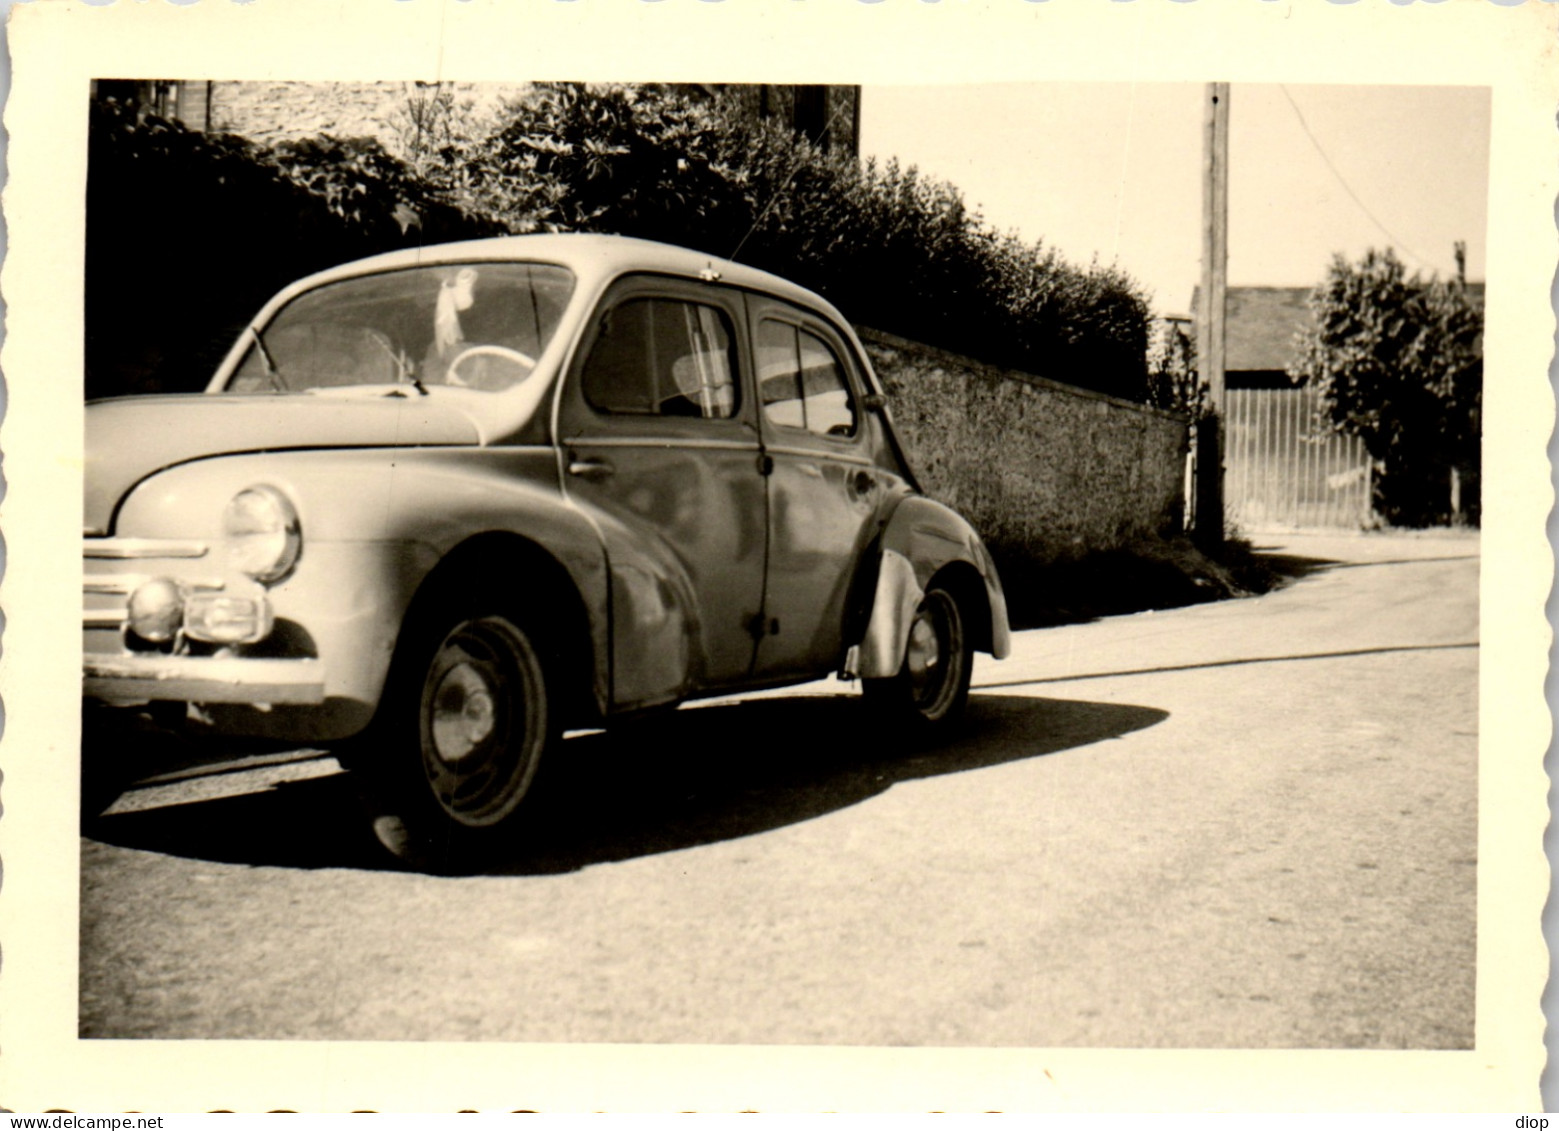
x=932, y=658
x=925, y=650
x=464, y=713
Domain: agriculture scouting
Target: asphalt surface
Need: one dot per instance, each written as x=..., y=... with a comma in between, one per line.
x=1248, y=824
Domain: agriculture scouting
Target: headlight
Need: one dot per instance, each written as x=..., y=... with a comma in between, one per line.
x=263, y=538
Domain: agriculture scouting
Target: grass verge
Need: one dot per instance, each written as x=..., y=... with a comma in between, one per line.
x=1151, y=574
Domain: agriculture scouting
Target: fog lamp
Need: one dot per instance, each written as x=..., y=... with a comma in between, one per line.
x=263, y=537
x=156, y=610
x=227, y=620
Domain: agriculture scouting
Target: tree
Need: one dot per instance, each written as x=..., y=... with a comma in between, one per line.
x=1398, y=362
x=1174, y=380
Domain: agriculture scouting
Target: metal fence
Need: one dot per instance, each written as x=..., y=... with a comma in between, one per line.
x=1280, y=470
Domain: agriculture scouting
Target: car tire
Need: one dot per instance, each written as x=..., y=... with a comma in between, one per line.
x=468, y=725
x=927, y=695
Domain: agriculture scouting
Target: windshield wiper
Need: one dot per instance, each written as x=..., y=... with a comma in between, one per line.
x=414, y=382
x=272, y=374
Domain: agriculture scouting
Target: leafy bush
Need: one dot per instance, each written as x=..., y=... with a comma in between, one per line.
x=1399, y=362
x=189, y=233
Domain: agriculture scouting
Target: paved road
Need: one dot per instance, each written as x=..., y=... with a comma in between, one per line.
x=1250, y=824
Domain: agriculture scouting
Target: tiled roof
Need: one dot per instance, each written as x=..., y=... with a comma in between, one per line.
x=1264, y=321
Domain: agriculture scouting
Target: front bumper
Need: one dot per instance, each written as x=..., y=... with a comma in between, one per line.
x=204, y=679
x=316, y=678
x=116, y=568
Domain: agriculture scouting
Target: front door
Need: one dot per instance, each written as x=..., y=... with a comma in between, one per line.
x=661, y=446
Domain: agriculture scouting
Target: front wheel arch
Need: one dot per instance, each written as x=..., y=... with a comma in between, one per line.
x=511, y=572
x=462, y=738
x=498, y=605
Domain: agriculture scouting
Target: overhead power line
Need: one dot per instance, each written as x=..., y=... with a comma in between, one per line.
x=1346, y=186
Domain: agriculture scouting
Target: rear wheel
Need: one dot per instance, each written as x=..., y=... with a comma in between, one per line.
x=466, y=734
x=928, y=694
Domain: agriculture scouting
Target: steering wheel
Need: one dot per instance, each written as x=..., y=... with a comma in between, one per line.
x=483, y=378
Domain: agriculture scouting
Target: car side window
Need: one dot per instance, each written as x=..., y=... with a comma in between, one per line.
x=663, y=357
x=802, y=381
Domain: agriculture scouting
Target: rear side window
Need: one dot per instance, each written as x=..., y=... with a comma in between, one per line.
x=663, y=357
x=802, y=381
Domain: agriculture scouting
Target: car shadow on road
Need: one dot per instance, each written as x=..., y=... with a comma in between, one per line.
x=687, y=778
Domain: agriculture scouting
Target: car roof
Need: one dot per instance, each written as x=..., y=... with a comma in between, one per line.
x=588, y=255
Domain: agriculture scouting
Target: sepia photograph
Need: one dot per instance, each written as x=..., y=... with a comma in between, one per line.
x=876, y=568
x=470, y=516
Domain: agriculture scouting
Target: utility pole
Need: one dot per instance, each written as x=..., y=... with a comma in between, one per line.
x=1211, y=336
x=1460, y=248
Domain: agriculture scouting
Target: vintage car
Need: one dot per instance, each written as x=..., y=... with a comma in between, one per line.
x=437, y=506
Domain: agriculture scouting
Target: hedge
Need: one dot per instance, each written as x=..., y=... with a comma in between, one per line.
x=188, y=233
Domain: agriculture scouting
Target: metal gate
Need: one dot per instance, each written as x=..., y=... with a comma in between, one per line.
x=1280, y=470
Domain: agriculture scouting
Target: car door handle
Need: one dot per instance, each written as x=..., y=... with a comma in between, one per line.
x=589, y=468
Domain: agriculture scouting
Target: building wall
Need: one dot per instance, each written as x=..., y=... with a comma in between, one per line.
x=827, y=115
x=268, y=112
x=1044, y=471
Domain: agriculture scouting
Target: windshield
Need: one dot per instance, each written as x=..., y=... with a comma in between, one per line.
x=473, y=325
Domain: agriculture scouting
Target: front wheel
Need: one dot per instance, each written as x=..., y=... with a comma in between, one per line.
x=465, y=738
x=928, y=694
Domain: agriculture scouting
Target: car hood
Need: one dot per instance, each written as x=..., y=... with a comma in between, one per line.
x=130, y=438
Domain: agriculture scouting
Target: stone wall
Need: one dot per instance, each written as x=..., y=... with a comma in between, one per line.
x=1046, y=472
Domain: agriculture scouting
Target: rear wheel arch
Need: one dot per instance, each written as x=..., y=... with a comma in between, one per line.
x=923, y=544
x=926, y=693
x=963, y=580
